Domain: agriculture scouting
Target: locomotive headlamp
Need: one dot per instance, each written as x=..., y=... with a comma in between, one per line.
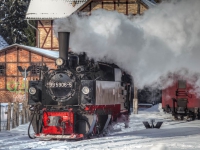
x=59, y=61
x=85, y=90
x=32, y=90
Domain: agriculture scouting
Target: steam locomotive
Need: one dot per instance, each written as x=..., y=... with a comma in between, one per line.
x=179, y=100
x=80, y=98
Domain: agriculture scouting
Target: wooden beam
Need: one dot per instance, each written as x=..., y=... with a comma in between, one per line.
x=120, y=2
x=2, y=90
x=90, y=7
x=84, y=7
x=30, y=62
x=138, y=6
x=0, y=116
x=17, y=65
x=46, y=38
x=14, y=62
x=43, y=26
x=53, y=48
x=5, y=72
x=110, y=1
x=29, y=57
x=42, y=60
x=126, y=7
x=135, y=101
x=37, y=35
x=51, y=34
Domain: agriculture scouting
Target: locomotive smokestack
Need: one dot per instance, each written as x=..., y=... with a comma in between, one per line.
x=63, y=38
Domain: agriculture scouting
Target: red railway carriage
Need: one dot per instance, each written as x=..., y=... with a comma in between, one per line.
x=181, y=100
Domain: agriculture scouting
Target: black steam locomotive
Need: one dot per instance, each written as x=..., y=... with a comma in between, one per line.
x=78, y=99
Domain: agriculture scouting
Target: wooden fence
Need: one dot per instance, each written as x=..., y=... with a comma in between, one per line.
x=15, y=115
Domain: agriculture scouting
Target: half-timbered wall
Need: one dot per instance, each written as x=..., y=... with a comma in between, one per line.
x=47, y=37
x=18, y=57
x=128, y=7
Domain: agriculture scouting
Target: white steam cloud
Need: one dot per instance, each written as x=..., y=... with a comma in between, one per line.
x=153, y=47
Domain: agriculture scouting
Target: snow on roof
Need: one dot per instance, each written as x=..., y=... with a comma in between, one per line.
x=40, y=51
x=149, y=3
x=3, y=43
x=49, y=53
x=52, y=9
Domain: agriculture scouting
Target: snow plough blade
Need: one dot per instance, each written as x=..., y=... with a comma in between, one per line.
x=60, y=137
x=148, y=126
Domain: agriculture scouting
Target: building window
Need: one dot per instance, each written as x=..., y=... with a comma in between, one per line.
x=181, y=84
x=35, y=71
x=2, y=69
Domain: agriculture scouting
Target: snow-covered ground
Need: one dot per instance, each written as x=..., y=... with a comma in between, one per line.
x=173, y=135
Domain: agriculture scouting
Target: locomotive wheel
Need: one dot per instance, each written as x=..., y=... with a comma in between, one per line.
x=175, y=117
x=95, y=132
x=79, y=123
x=97, y=129
x=193, y=116
x=182, y=117
x=198, y=116
x=168, y=109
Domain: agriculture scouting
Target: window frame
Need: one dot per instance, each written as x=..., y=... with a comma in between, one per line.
x=3, y=69
x=182, y=84
x=36, y=67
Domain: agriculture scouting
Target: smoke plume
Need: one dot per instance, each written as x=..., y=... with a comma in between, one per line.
x=153, y=48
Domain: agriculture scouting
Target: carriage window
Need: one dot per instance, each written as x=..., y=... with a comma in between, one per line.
x=181, y=84
x=2, y=69
x=35, y=71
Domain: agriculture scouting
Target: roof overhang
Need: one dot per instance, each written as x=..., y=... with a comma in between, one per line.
x=148, y=3
x=52, y=9
x=47, y=53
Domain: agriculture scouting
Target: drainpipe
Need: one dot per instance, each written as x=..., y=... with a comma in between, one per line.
x=38, y=33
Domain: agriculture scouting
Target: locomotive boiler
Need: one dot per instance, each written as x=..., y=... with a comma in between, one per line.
x=179, y=100
x=78, y=99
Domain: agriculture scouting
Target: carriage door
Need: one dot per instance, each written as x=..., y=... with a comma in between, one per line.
x=182, y=95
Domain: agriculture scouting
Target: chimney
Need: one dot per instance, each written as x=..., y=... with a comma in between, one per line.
x=63, y=39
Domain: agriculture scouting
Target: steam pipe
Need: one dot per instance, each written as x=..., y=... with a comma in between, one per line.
x=63, y=39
